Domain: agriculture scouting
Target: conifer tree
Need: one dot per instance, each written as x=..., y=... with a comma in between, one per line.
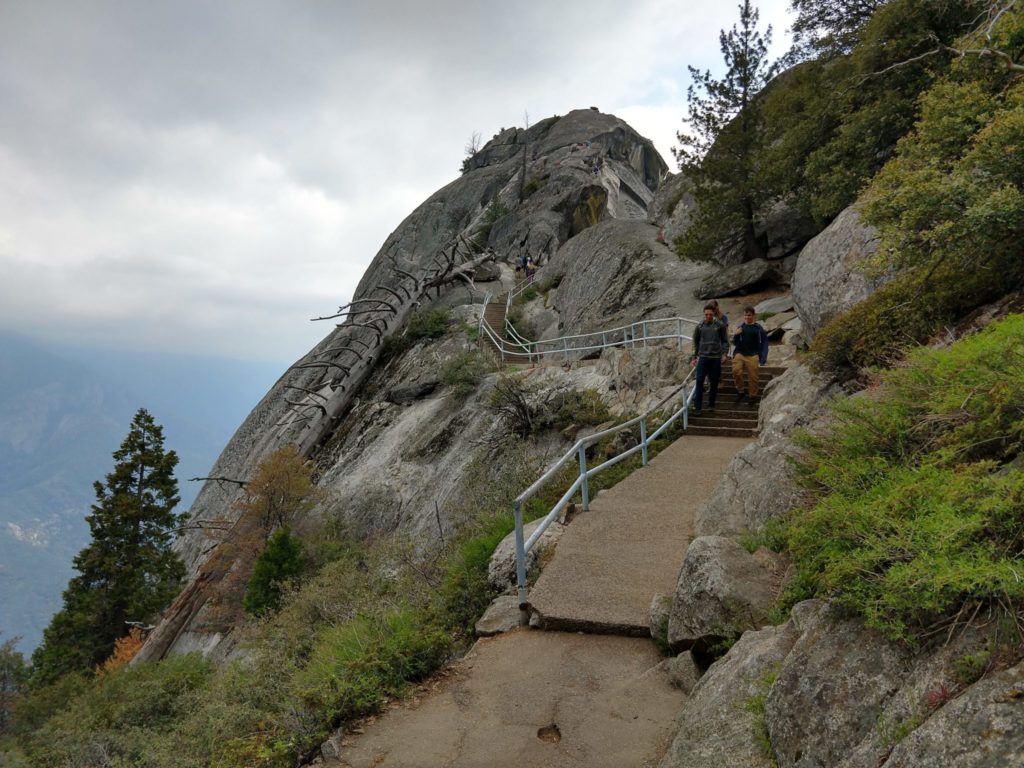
x=128, y=572
x=719, y=151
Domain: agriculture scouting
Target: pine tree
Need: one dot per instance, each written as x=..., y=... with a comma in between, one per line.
x=719, y=152
x=128, y=572
x=281, y=561
x=13, y=676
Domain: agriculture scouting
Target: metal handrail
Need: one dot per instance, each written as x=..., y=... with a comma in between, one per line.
x=640, y=333
x=579, y=449
x=582, y=482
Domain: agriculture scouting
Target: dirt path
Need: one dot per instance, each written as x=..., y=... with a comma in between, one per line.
x=530, y=698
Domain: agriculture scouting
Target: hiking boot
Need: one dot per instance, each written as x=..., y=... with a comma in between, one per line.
x=711, y=409
x=742, y=398
x=696, y=412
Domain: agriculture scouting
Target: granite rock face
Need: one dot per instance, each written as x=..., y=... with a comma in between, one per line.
x=722, y=591
x=617, y=272
x=757, y=485
x=830, y=689
x=827, y=279
x=672, y=207
x=736, y=279
x=717, y=727
x=982, y=728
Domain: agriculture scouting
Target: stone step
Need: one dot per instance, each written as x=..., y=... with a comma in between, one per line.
x=734, y=411
x=722, y=431
x=714, y=420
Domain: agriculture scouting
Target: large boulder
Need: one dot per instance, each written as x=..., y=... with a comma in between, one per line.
x=617, y=272
x=672, y=207
x=830, y=689
x=501, y=570
x=718, y=727
x=722, y=591
x=736, y=279
x=757, y=485
x=827, y=278
x=982, y=728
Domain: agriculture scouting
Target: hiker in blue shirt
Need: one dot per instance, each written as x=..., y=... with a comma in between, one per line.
x=750, y=352
x=710, y=347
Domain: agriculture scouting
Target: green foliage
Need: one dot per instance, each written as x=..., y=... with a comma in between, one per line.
x=113, y=720
x=496, y=209
x=422, y=325
x=950, y=211
x=464, y=372
x=534, y=183
x=280, y=561
x=13, y=680
x=429, y=324
x=357, y=666
x=128, y=572
x=829, y=28
x=524, y=412
x=724, y=133
x=755, y=705
x=910, y=522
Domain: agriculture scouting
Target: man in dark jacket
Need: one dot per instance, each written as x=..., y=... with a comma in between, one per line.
x=710, y=345
x=750, y=353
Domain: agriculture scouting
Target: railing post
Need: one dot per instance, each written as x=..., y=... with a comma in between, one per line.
x=565, y=347
x=585, y=485
x=524, y=618
x=644, y=327
x=604, y=340
x=643, y=440
x=679, y=332
x=686, y=407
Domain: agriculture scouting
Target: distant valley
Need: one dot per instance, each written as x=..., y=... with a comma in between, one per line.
x=63, y=411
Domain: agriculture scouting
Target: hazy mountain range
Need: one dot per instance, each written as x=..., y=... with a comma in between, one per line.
x=63, y=411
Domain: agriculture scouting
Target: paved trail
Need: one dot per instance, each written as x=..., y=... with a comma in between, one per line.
x=533, y=698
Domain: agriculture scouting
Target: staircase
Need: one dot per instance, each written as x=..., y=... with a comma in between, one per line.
x=731, y=418
x=494, y=314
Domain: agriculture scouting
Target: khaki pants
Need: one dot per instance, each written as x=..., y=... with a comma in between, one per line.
x=748, y=363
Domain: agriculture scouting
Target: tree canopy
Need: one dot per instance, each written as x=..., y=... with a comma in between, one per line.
x=128, y=571
x=719, y=148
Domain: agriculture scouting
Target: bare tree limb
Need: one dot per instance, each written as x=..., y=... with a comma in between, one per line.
x=307, y=391
x=239, y=483
x=307, y=405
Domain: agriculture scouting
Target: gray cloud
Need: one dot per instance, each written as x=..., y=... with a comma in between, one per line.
x=206, y=176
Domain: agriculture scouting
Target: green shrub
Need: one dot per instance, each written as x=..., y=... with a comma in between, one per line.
x=910, y=523
x=111, y=721
x=755, y=705
x=464, y=372
x=356, y=666
x=279, y=562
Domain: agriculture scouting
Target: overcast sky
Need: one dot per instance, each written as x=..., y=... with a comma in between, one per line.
x=206, y=175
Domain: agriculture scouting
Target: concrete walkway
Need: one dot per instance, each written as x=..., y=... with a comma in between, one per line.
x=612, y=560
x=531, y=699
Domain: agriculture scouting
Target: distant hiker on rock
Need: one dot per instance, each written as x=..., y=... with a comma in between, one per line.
x=710, y=346
x=750, y=352
x=531, y=269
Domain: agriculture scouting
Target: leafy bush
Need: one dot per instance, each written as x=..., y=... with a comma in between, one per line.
x=279, y=562
x=950, y=211
x=428, y=324
x=464, y=372
x=112, y=721
x=911, y=521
